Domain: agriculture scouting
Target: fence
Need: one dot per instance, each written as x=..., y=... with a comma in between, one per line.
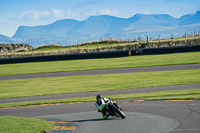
x=108, y=54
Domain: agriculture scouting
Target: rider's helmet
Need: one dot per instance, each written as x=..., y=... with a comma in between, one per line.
x=98, y=97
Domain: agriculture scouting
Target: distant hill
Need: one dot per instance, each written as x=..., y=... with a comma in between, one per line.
x=151, y=23
x=5, y=39
x=55, y=30
x=190, y=19
x=9, y=40
x=70, y=31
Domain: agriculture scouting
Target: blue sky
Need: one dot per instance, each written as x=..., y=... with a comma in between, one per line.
x=14, y=13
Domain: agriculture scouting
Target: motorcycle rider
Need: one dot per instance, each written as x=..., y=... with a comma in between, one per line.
x=101, y=103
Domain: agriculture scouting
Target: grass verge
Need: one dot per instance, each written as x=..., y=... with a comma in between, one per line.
x=180, y=94
x=76, y=84
x=11, y=124
x=94, y=64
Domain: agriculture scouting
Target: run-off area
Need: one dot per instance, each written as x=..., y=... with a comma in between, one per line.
x=135, y=122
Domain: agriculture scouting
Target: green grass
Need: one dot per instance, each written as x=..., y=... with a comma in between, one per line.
x=98, y=45
x=83, y=46
x=76, y=84
x=11, y=124
x=177, y=94
x=94, y=64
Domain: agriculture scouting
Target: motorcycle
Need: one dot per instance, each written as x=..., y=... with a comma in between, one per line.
x=113, y=110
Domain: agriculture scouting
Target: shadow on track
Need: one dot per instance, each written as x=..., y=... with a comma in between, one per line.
x=87, y=120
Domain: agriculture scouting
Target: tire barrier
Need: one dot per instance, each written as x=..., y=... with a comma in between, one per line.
x=110, y=54
x=167, y=50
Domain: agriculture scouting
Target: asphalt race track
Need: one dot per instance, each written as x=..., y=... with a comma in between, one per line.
x=142, y=117
x=113, y=92
x=106, y=71
x=91, y=122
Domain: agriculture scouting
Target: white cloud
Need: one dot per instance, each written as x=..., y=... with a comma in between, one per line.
x=53, y=14
x=71, y=14
x=33, y=14
x=181, y=10
x=58, y=13
x=109, y=12
x=103, y=12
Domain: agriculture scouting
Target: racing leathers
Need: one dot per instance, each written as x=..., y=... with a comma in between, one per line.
x=101, y=106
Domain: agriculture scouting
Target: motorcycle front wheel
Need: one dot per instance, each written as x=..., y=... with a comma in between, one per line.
x=119, y=113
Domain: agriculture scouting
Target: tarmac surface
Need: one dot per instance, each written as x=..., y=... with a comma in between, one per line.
x=142, y=117
x=113, y=92
x=91, y=122
x=106, y=71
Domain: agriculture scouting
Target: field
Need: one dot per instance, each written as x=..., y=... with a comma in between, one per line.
x=94, y=83
x=11, y=124
x=94, y=64
x=76, y=84
x=190, y=94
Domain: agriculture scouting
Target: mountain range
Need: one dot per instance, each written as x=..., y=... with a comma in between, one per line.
x=70, y=31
